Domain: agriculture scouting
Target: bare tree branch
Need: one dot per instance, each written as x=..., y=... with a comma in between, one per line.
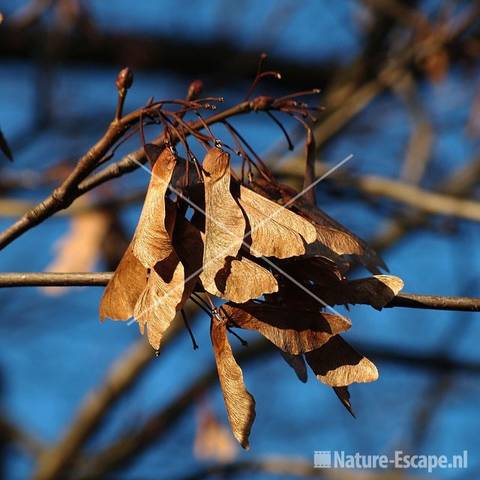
x=429, y=202
x=153, y=52
x=16, y=436
x=431, y=302
x=121, y=376
x=77, y=182
x=54, y=279
x=100, y=279
x=276, y=466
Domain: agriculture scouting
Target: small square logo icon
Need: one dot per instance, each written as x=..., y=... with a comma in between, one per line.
x=322, y=459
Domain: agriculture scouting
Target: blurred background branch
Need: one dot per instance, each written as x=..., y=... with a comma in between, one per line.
x=399, y=91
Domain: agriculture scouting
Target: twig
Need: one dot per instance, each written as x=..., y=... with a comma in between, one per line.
x=14, y=208
x=309, y=176
x=54, y=279
x=429, y=202
x=77, y=182
x=100, y=279
x=419, y=147
x=283, y=467
x=460, y=183
x=121, y=376
x=67, y=192
x=402, y=14
x=409, y=300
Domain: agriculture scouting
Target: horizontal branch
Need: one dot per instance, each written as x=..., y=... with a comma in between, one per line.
x=435, y=302
x=54, y=279
x=100, y=279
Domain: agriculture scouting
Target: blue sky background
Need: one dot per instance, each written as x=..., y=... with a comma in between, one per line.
x=53, y=349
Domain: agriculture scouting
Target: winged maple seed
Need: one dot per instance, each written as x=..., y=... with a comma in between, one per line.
x=273, y=258
x=226, y=272
x=239, y=402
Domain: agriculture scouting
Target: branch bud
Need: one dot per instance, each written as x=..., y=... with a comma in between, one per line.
x=195, y=89
x=124, y=79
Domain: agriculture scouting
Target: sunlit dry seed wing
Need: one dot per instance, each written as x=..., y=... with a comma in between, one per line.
x=239, y=402
x=337, y=364
x=130, y=278
x=124, y=288
x=225, y=272
x=292, y=330
x=166, y=291
x=320, y=270
x=340, y=240
x=333, y=239
x=242, y=279
x=274, y=230
x=161, y=299
x=151, y=241
x=224, y=222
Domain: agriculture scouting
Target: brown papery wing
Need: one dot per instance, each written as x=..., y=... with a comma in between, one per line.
x=188, y=243
x=151, y=242
x=274, y=230
x=337, y=364
x=344, y=396
x=239, y=402
x=225, y=272
x=166, y=291
x=297, y=363
x=242, y=279
x=224, y=222
x=293, y=331
x=124, y=288
x=333, y=239
x=340, y=240
x=161, y=299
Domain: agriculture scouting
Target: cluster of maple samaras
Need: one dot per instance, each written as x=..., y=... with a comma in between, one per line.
x=242, y=247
